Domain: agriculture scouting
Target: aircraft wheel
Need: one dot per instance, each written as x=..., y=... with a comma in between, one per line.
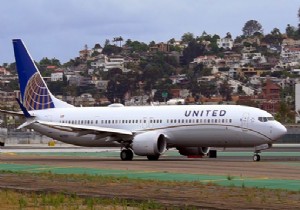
x=126, y=154
x=153, y=157
x=256, y=157
x=212, y=154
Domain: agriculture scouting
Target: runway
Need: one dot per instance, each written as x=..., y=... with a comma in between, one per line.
x=278, y=168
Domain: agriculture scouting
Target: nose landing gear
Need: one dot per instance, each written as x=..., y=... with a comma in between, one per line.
x=257, y=149
x=256, y=157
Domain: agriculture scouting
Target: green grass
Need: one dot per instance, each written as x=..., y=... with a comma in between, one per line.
x=12, y=199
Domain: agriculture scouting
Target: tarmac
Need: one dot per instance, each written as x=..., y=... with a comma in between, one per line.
x=279, y=168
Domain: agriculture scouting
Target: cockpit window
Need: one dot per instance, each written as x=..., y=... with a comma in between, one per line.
x=262, y=119
x=265, y=119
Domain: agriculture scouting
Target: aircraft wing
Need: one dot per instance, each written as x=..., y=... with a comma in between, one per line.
x=89, y=129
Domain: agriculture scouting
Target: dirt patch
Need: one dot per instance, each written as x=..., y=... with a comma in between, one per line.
x=170, y=194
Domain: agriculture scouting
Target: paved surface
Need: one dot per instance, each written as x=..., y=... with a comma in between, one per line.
x=277, y=169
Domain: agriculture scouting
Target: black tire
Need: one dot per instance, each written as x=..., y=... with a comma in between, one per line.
x=212, y=154
x=153, y=157
x=126, y=154
x=256, y=157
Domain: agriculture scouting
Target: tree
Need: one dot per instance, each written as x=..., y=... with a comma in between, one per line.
x=118, y=39
x=111, y=49
x=171, y=41
x=225, y=90
x=137, y=46
x=49, y=62
x=291, y=31
x=228, y=35
x=187, y=37
x=192, y=51
x=251, y=27
x=107, y=42
x=274, y=38
x=152, y=44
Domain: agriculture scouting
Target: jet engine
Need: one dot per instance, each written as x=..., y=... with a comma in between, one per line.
x=149, y=144
x=191, y=151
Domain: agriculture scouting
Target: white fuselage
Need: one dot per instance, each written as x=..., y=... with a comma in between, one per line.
x=184, y=125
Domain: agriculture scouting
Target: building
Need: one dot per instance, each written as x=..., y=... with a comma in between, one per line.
x=57, y=76
x=290, y=56
x=4, y=71
x=105, y=64
x=226, y=43
x=297, y=103
x=271, y=91
x=271, y=97
x=160, y=47
x=8, y=99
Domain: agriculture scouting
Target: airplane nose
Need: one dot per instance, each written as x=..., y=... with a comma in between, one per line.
x=279, y=131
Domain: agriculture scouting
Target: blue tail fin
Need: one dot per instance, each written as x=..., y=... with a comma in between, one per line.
x=35, y=94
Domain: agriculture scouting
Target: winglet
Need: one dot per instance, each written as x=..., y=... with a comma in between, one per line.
x=24, y=110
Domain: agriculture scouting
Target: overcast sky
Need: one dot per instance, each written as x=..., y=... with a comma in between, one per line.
x=60, y=28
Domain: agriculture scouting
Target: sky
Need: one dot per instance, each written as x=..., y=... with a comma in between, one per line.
x=61, y=28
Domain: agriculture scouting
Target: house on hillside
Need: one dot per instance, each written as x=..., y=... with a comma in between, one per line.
x=226, y=43
x=290, y=56
x=57, y=76
x=4, y=71
x=160, y=47
x=271, y=97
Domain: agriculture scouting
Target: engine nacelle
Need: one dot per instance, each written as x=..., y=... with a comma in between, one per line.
x=189, y=151
x=149, y=143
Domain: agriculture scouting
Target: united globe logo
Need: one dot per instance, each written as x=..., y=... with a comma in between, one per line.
x=36, y=94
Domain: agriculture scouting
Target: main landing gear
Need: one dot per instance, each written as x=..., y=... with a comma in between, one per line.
x=126, y=154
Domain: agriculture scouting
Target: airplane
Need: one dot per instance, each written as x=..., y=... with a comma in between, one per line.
x=140, y=130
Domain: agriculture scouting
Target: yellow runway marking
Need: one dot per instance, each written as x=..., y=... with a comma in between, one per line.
x=9, y=153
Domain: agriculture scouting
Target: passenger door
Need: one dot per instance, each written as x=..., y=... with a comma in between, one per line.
x=245, y=121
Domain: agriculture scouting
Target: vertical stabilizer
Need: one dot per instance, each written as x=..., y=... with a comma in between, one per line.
x=35, y=94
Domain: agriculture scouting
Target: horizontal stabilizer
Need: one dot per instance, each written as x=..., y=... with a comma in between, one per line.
x=20, y=114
